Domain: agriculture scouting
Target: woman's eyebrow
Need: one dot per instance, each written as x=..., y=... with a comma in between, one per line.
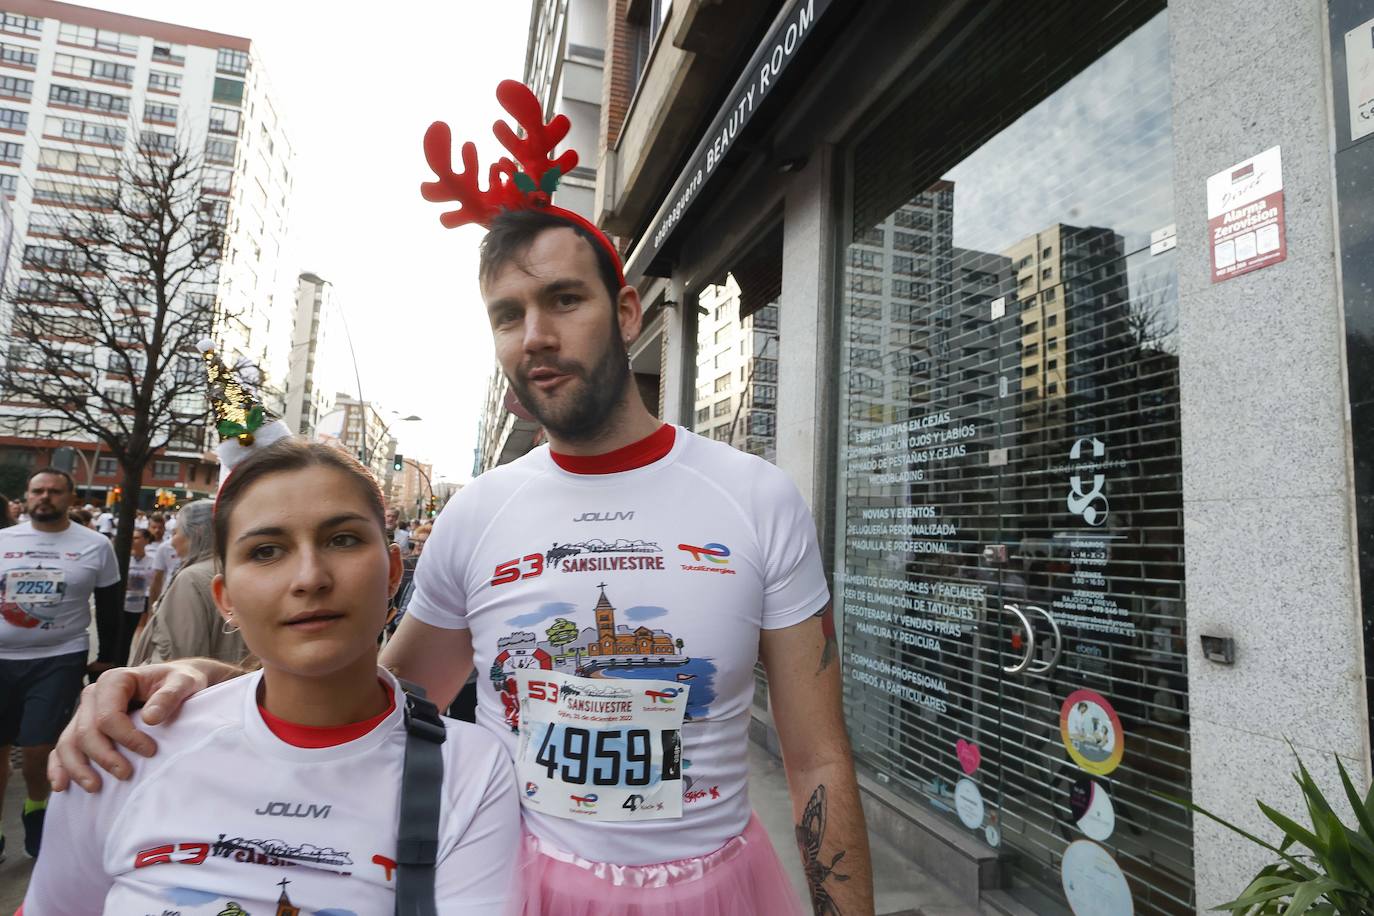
x=277, y=530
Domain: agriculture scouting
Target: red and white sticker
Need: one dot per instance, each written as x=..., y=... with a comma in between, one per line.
x=1245, y=223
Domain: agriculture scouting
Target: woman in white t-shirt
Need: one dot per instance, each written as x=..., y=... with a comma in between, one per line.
x=281, y=788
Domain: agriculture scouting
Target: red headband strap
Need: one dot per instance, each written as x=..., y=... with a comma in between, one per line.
x=529, y=185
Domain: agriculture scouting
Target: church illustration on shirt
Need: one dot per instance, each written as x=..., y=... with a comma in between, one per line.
x=606, y=649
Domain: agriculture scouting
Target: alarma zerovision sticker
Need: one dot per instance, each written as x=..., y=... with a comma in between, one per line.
x=1092, y=809
x=1093, y=882
x=1091, y=731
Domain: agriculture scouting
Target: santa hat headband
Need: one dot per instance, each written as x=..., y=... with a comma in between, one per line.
x=527, y=183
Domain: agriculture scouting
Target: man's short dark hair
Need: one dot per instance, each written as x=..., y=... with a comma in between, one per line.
x=512, y=232
x=71, y=484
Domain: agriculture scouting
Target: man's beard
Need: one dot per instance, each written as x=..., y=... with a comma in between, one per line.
x=587, y=416
x=48, y=514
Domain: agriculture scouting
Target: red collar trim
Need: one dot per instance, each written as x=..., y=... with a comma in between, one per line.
x=635, y=455
x=314, y=736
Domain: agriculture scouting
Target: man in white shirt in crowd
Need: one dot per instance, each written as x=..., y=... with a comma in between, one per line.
x=49, y=569
x=166, y=559
x=136, y=585
x=627, y=556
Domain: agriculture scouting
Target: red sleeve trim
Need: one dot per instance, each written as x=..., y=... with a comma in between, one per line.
x=635, y=455
x=314, y=736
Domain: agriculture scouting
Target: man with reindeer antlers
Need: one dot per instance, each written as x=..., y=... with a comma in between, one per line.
x=614, y=590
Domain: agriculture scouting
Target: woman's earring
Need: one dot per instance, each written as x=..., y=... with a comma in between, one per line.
x=229, y=628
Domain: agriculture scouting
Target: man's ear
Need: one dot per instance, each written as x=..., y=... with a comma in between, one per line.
x=629, y=314
x=220, y=592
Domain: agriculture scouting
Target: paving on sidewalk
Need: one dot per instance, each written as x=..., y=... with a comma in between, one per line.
x=14, y=871
x=901, y=888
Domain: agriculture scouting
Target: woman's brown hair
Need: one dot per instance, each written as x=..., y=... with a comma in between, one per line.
x=293, y=454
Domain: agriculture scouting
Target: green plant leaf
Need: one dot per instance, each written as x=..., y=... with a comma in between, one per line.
x=1362, y=815
x=1307, y=894
x=524, y=182
x=1293, y=829
x=549, y=183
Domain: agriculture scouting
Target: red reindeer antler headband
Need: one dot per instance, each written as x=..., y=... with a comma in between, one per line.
x=508, y=187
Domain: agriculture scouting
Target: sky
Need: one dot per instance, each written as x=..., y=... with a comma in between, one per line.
x=356, y=87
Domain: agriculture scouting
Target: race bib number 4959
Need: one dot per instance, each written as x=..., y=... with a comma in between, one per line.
x=603, y=749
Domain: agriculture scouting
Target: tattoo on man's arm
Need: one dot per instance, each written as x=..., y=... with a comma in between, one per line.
x=827, y=616
x=810, y=835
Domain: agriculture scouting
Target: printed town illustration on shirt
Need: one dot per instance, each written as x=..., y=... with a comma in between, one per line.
x=609, y=649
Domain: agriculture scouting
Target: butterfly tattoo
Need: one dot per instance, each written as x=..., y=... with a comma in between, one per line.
x=810, y=834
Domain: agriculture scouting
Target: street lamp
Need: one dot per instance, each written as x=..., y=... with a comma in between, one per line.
x=386, y=428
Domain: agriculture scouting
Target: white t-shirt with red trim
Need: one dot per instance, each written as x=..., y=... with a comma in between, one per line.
x=47, y=579
x=666, y=571
x=230, y=818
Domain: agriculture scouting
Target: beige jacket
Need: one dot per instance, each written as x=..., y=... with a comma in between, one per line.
x=186, y=624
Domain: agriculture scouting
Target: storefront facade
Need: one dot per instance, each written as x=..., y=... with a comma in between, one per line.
x=1079, y=444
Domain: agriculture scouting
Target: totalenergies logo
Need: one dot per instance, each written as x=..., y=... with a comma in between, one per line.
x=663, y=696
x=583, y=801
x=711, y=553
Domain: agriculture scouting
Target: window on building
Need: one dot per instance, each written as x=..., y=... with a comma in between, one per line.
x=221, y=151
x=15, y=88
x=228, y=92
x=167, y=470
x=721, y=408
x=106, y=467
x=84, y=131
x=1046, y=254
x=85, y=98
x=1031, y=328
x=156, y=142
x=723, y=334
x=218, y=180
x=159, y=113
x=159, y=81
x=18, y=55
x=9, y=184
x=1049, y=294
x=647, y=18
x=230, y=60
x=723, y=382
x=1052, y=365
x=1033, y=369
x=21, y=25
x=1052, y=344
x=104, y=39
x=224, y=120
x=13, y=119
x=703, y=415
x=762, y=423
x=1046, y=273
x=1032, y=349
x=169, y=54
x=1051, y=320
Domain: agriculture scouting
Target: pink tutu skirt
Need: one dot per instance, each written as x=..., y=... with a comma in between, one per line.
x=742, y=878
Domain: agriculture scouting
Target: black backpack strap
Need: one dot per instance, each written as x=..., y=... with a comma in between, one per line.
x=422, y=780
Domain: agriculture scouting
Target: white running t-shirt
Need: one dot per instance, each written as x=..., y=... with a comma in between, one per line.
x=138, y=582
x=664, y=572
x=46, y=583
x=229, y=818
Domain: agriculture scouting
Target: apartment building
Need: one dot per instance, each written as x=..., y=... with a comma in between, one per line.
x=79, y=88
x=320, y=361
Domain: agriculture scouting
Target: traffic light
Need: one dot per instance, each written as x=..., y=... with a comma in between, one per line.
x=114, y=495
x=398, y=463
x=432, y=510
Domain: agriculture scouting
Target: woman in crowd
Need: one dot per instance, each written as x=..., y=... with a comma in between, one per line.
x=259, y=777
x=185, y=623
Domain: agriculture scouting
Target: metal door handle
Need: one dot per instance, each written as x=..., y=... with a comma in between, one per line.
x=1047, y=667
x=1030, y=641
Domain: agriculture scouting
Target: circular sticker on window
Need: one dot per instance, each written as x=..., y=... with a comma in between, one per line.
x=1093, y=882
x=968, y=803
x=1092, y=732
x=1092, y=809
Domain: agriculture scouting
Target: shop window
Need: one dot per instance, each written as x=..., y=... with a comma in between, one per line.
x=1000, y=205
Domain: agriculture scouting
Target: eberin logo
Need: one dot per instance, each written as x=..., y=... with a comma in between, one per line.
x=663, y=696
x=583, y=801
x=711, y=553
x=1083, y=503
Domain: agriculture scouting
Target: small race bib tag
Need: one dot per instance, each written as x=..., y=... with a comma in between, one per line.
x=35, y=587
x=600, y=749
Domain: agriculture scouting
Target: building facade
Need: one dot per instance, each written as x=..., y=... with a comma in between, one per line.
x=320, y=360
x=563, y=66
x=366, y=434
x=80, y=88
x=1075, y=400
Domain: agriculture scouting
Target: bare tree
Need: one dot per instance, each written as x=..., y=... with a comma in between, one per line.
x=118, y=286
